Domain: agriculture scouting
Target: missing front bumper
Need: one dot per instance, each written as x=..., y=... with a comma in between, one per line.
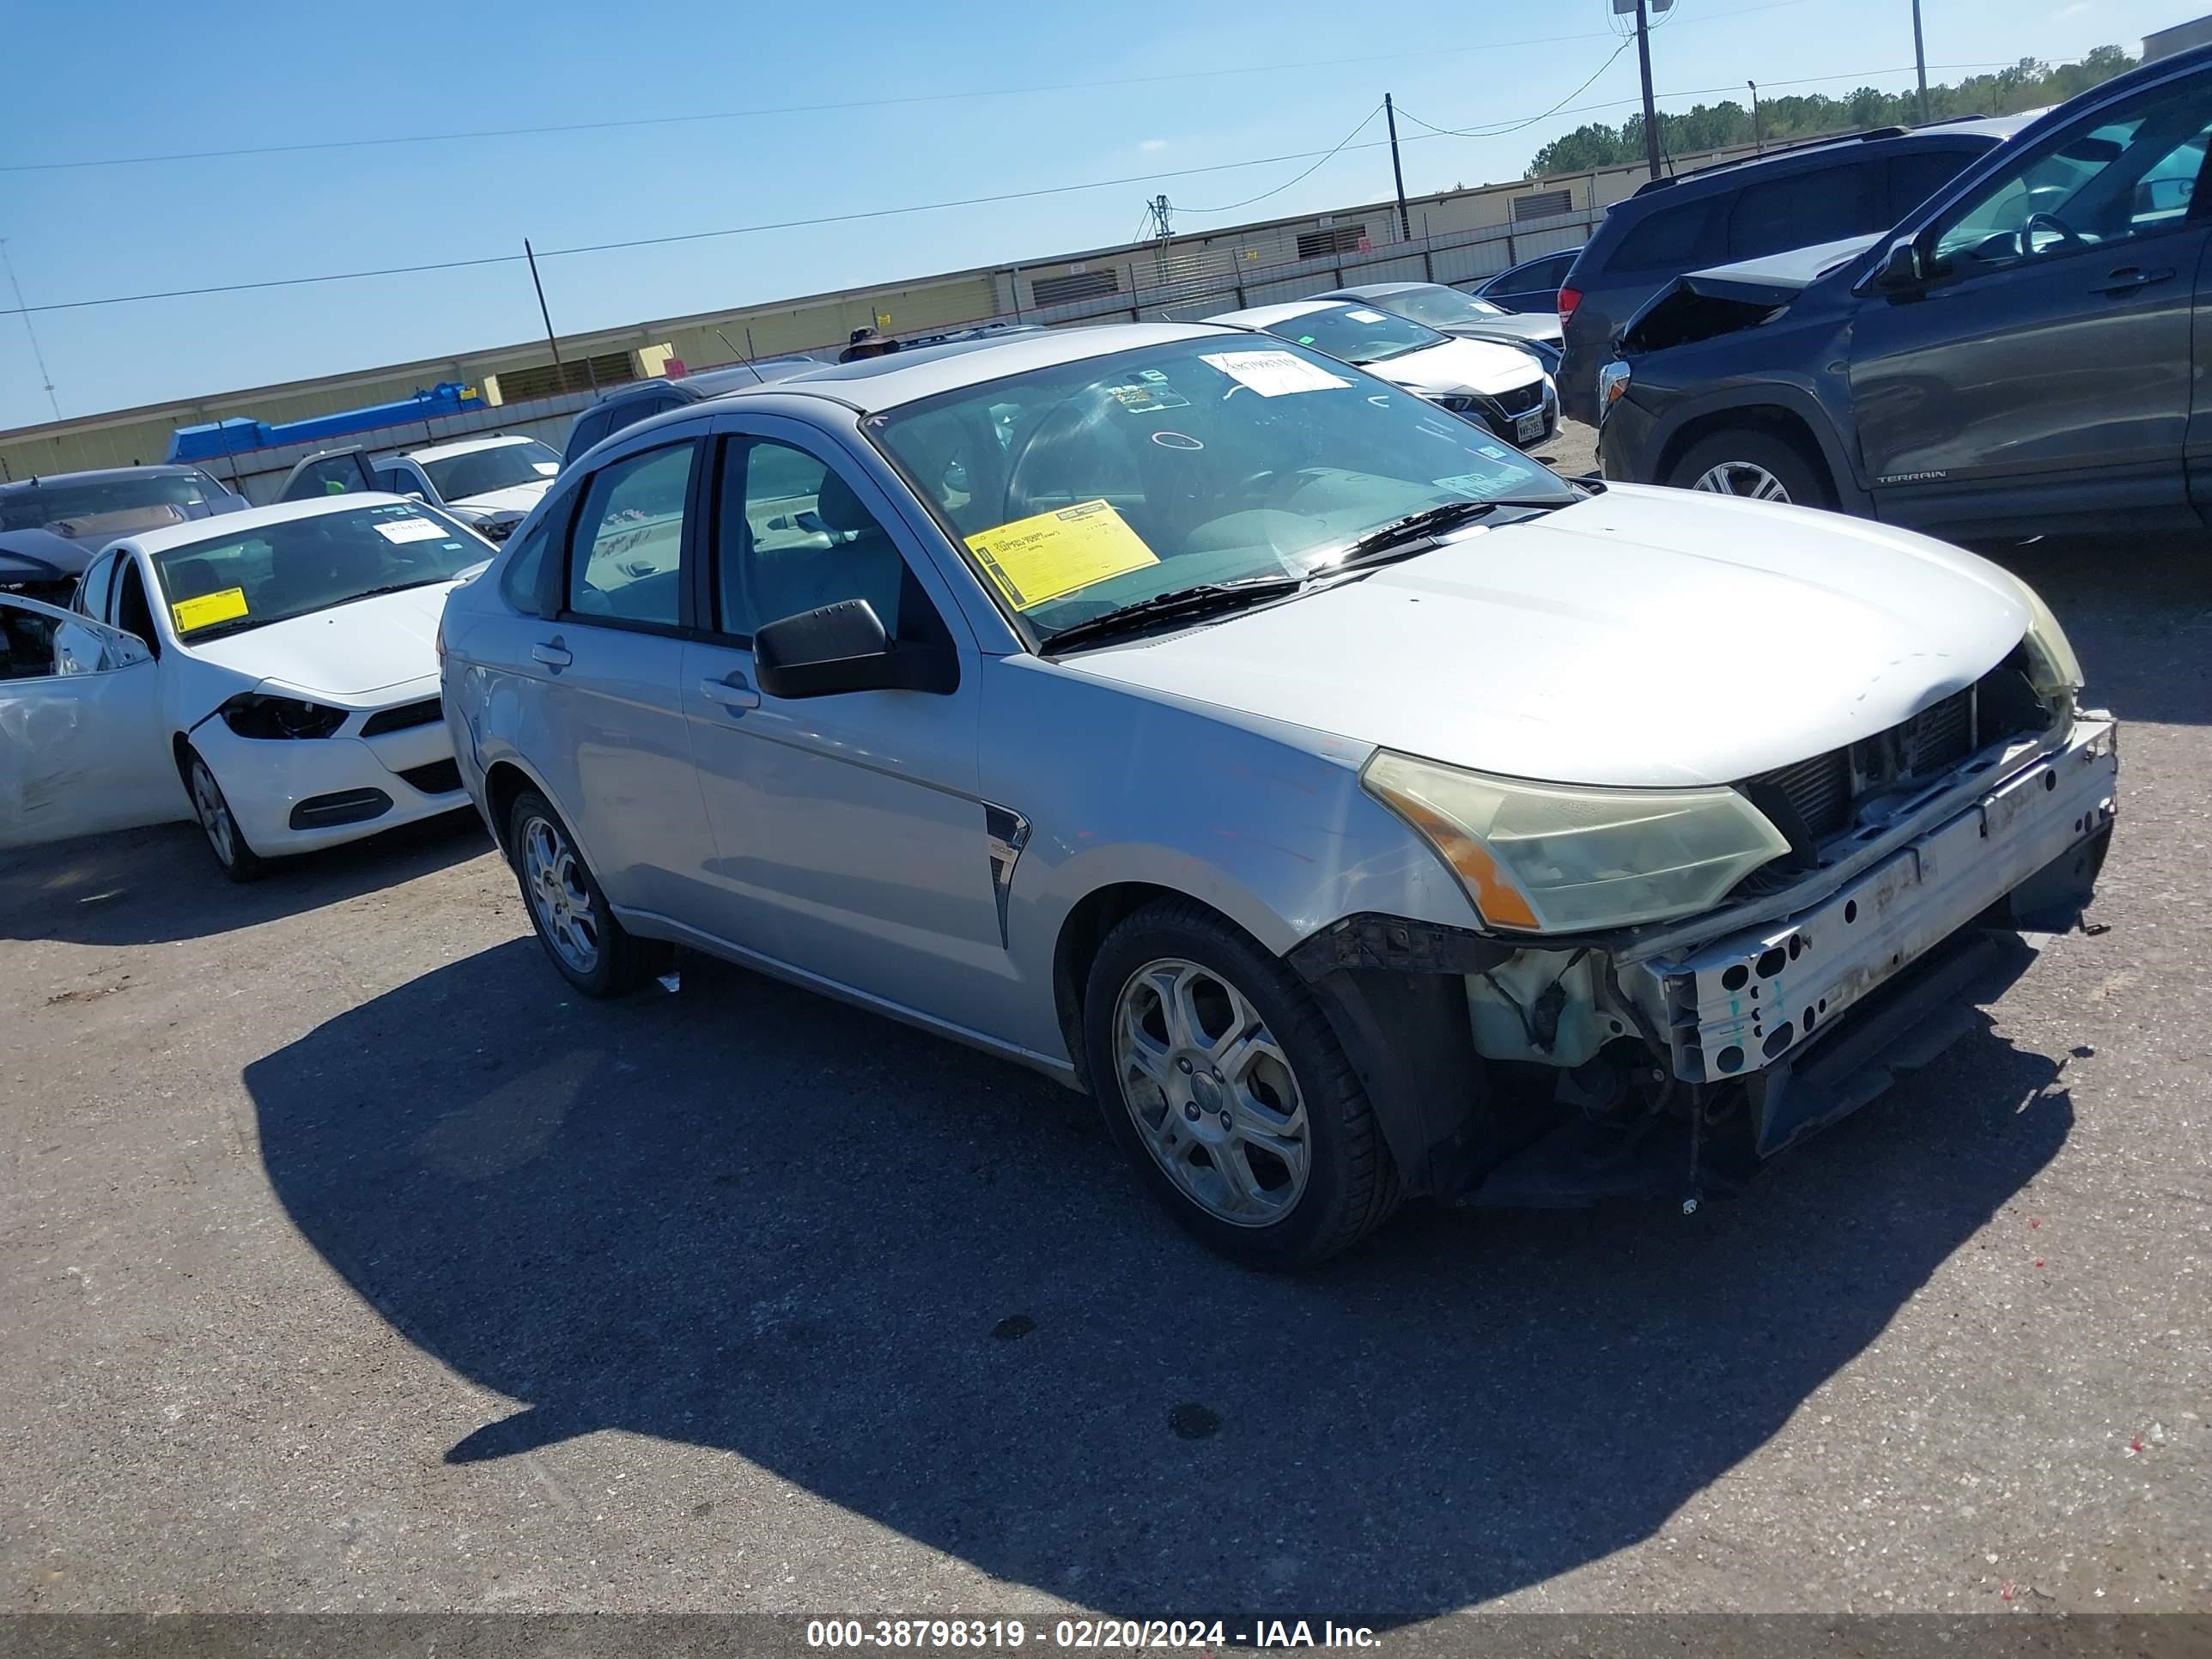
x=1735, y=1006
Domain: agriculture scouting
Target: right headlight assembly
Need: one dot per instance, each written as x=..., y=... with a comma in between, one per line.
x=1553, y=858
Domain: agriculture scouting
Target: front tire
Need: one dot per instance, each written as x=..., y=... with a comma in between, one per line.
x=1223, y=1082
x=568, y=910
x=1754, y=465
x=219, y=823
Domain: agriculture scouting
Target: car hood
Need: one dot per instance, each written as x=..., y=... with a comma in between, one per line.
x=1725, y=299
x=1642, y=637
x=348, y=651
x=1513, y=325
x=1460, y=366
x=33, y=553
x=515, y=498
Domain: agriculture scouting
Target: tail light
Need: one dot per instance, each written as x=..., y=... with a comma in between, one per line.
x=1569, y=299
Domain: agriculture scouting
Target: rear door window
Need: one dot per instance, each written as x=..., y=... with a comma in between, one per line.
x=1915, y=178
x=626, y=557
x=1806, y=208
x=1681, y=237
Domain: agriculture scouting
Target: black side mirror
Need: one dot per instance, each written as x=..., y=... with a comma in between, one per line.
x=843, y=647
x=1901, y=270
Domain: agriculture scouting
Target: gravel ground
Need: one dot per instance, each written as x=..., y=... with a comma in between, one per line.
x=348, y=1262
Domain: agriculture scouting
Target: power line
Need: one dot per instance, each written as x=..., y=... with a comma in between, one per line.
x=1327, y=157
x=1500, y=130
x=474, y=134
x=853, y=217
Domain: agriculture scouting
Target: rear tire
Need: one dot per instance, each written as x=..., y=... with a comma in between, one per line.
x=1222, y=1081
x=1754, y=465
x=570, y=914
x=219, y=823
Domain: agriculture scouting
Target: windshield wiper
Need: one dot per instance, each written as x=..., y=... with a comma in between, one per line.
x=1415, y=533
x=390, y=587
x=1208, y=598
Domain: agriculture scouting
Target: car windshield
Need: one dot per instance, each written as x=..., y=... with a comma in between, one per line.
x=252, y=577
x=1357, y=334
x=1438, y=307
x=480, y=472
x=1090, y=486
x=91, y=498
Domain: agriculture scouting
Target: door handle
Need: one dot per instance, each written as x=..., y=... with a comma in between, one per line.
x=731, y=693
x=552, y=653
x=2128, y=278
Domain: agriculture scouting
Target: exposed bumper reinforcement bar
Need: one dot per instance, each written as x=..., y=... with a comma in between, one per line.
x=1739, y=1004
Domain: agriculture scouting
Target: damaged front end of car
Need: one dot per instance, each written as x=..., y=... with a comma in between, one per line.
x=1868, y=898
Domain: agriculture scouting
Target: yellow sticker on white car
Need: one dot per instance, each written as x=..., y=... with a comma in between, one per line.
x=1036, y=560
x=208, y=609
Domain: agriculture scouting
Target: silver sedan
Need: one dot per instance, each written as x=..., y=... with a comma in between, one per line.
x=1356, y=808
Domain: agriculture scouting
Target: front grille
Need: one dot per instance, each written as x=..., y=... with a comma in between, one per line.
x=1825, y=792
x=438, y=778
x=408, y=714
x=1521, y=399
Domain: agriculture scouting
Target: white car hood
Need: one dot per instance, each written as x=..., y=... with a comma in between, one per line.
x=1645, y=636
x=520, y=498
x=1458, y=366
x=348, y=651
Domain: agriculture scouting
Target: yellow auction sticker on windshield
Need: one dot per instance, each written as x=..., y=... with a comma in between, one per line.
x=208, y=609
x=1036, y=560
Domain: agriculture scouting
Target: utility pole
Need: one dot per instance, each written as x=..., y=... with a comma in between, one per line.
x=1397, y=173
x=531, y=254
x=38, y=356
x=1758, y=141
x=1644, y=64
x=1920, y=62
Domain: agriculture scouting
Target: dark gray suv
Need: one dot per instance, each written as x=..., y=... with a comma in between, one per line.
x=2023, y=354
x=1741, y=211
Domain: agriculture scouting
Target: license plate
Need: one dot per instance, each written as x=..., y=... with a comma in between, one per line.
x=1528, y=428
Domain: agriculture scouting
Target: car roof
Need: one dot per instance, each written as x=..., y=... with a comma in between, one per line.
x=1376, y=290
x=905, y=377
x=158, y=470
x=459, y=446
x=1816, y=150
x=228, y=525
x=1266, y=316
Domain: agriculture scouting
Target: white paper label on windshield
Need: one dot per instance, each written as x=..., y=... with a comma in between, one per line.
x=1274, y=374
x=411, y=529
x=1364, y=316
x=546, y=469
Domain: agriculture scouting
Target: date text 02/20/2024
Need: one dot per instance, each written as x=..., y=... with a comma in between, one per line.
x=1084, y=1634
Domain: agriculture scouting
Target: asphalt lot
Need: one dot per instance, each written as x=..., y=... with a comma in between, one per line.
x=348, y=1262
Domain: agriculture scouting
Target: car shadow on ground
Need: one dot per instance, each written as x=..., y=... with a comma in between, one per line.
x=150, y=886
x=918, y=1282
x=2140, y=616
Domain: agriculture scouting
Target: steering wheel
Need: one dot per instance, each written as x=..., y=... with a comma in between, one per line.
x=2050, y=221
x=1062, y=423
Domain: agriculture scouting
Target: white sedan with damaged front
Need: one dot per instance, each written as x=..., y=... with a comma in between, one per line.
x=272, y=674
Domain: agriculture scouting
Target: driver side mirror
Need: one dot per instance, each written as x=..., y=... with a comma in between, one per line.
x=1901, y=270
x=843, y=647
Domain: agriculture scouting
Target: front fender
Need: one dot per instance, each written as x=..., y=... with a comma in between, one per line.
x=1828, y=427
x=1264, y=822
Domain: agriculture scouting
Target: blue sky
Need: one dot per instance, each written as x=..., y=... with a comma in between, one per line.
x=120, y=78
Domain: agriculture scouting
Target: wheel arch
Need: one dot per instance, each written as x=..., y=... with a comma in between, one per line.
x=1407, y=1036
x=1794, y=415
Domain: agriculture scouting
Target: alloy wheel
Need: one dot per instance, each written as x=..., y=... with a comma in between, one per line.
x=214, y=814
x=1745, y=478
x=1212, y=1093
x=553, y=877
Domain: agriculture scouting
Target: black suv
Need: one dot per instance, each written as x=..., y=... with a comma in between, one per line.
x=2021, y=356
x=1810, y=193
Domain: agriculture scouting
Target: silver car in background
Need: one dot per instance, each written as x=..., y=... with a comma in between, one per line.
x=1355, y=808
